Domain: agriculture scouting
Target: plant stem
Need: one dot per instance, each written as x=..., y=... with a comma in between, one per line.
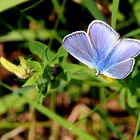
x=114, y=13
x=137, y=127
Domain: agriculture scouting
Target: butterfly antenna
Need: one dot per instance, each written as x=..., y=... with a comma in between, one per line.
x=97, y=73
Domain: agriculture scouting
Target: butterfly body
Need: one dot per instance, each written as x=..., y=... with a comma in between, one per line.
x=102, y=49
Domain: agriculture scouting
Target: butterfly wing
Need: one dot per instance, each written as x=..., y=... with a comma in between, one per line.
x=102, y=37
x=123, y=50
x=120, y=70
x=102, y=49
x=119, y=62
x=79, y=46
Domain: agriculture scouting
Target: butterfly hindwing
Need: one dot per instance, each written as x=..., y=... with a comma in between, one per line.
x=120, y=70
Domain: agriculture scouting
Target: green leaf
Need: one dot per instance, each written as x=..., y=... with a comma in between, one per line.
x=47, y=73
x=132, y=100
x=68, y=76
x=61, y=55
x=91, y=6
x=55, y=83
x=26, y=34
x=62, y=74
x=7, y=4
x=36, y=72
x=34, y=65
x=32, y=81
x=48, y=56
x=37, y=48
x=42, y=85
x=71, y=69
x=68, y=67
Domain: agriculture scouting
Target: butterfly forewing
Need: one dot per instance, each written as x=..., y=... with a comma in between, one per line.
x=78, y=45
x=102, y=37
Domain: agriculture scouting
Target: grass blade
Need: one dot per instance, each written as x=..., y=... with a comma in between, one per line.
x=7, y=4
x=90, y=5
x=137, y=127
x=59, y=10
x=82, y=134
x=114, y=13
x=132, y=33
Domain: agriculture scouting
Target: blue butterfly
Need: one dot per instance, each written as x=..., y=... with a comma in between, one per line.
x=103, y=49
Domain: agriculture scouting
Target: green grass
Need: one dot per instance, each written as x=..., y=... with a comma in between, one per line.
x=137, y=127
x=53, y=73
x=115, y=6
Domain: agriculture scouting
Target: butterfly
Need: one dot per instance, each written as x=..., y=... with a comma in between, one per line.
x=102, y=49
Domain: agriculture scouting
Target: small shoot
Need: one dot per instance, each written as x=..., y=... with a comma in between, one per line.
x=21, y=71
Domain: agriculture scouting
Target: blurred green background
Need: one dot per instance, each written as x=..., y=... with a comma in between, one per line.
x=56, y=97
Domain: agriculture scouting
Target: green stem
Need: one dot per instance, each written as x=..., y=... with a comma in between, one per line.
x=39, y=97
x=53, y=126
x=31, y=131
x=53, y=101
x=32, y=6
x=57, y=21
x=114, y=13
x=137, y=127
x=59, y=10
x=6, y=86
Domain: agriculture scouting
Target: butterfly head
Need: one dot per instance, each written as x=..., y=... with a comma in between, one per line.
x=97, y=73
